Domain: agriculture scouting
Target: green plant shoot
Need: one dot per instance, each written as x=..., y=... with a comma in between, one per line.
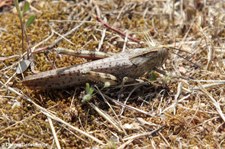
x=89, y=93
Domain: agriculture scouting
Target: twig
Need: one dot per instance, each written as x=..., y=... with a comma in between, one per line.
x=118, y=120
x=125, y=42
x=124, y=144
x=214, y=83
x=68, y=33
x=144, y=122
x=172, y=106
x=102, y=39
x=57, y=40
x=210, y=81
x=143, y=134
x=164, y=138
x=10, y=78
x=215, y=103
x=107, y=117
x=8, y=57
x=116, y=30
x=179, y=90
x=209, y=85
x=125, y=102
x=129, y=107
x=34, y=50
x=54, y=133
x=63, y=37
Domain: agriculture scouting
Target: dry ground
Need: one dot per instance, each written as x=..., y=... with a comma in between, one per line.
x=184, y=108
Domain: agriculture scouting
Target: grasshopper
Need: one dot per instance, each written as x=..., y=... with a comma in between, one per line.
x=112, y=69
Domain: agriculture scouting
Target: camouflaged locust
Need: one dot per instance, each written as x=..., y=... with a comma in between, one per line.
x=113, y=69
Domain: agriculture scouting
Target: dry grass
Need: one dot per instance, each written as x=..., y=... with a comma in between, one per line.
x=183, y=109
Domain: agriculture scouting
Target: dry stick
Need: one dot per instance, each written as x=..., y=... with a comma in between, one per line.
x=68, y=33
x=116, y=30
x=129, y=85
x=125, y=102
x=174, y=104
x=61, y=37
x=102, y=40
x=107, y=117
x=186, y=34
x=120, y=12
x=12, y=144
x=50, y=115
x=164, y=138
x=96, y=8
x=76, y=135
x=125, y=144
x=143, y=122
x=4, y=58
x=161, y=100
x=32, y=65
x=10, y=78
x=34, y=50
x=176, y=53
x=210, y=49
x=179, y=90
x=54, y=133
x=128, y=106
x=214, y=102
x=118, y=120
x=196, y=108
x=209, y=81
x=143, y=134
x=125, y=42
x=153, y=144
x=208, y=85
x=149, y=40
